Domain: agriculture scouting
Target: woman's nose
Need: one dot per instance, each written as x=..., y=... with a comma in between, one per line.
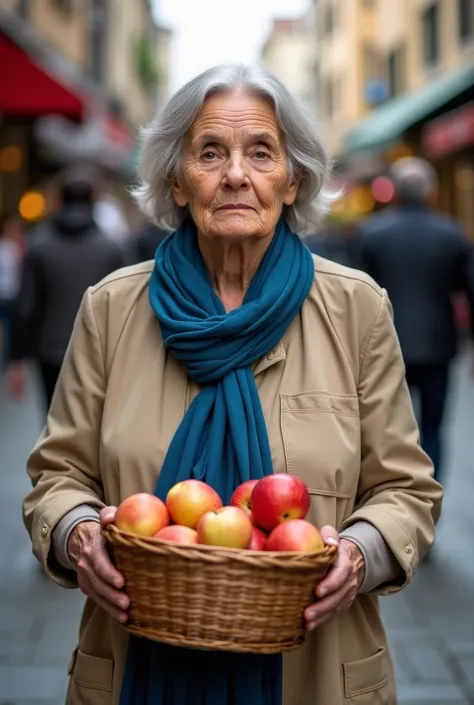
x=235, y=176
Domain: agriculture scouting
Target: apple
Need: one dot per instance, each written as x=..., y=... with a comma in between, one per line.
x=228, y=526
x=241, y=496
x=295, y=535
x=277, y=498
x=177, y=533
x=258, y=540
x=189, y=500
x=142, y=514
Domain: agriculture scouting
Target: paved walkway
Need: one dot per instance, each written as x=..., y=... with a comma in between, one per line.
x=430, y=624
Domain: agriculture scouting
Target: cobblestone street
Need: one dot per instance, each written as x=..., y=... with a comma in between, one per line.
x=430, y=624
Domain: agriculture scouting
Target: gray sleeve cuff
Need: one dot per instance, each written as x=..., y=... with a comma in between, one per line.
x=63, y=529
x=381, y=566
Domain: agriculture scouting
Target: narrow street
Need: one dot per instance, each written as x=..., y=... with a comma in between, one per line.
x=431, y=623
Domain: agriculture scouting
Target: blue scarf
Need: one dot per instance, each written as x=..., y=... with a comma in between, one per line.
x=221, y=440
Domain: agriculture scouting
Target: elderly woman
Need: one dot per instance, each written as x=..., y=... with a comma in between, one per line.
x=233, y=355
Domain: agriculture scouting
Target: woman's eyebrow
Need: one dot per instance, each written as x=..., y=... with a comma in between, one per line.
x=261, y=137
x=207, y=138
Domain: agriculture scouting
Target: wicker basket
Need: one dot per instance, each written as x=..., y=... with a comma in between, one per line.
x=217, y=598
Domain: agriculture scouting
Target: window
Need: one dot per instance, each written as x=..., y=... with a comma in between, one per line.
x=371, y=62
x=329, y=18
x=465, y=19
x=64, y=6
x=329, y=98
x=430, y=24
x=396, y=71
x=98, y=36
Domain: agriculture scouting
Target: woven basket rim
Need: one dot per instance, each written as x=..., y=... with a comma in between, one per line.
x=287, y=559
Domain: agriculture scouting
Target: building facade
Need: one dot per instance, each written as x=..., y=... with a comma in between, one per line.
x=290, y=53
x=398, y=78
x=80, y=76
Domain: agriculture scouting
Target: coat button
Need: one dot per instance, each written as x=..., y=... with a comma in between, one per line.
x=408, y=549
x=271, y=356
x=44, y=529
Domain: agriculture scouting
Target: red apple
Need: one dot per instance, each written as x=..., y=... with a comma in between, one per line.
x=295, y=535
x=178, y=534
x=142, y=514
x=189, y=500
x=228, y=526
x=277, y=498
x=258, y=540
x=241, y=497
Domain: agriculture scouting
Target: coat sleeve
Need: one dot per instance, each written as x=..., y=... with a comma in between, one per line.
x=397, y=492
x=64, y=466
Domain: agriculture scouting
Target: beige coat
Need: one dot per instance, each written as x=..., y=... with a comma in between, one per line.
x=338, y=414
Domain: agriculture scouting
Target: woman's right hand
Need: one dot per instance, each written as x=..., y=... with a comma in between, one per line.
x=96, y=575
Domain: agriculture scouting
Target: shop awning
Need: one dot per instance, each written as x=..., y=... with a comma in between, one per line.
x=27, y=89
x=390, y=121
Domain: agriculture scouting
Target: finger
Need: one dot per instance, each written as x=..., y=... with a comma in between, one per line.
x=329, y=535
x=115, y=612
x=336, y=578
x=102, y=566
x=107, y=515
x=116, y=598
x=320, y=611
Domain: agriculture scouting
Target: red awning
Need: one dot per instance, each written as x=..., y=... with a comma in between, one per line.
x=449, y=133
x=27, y=90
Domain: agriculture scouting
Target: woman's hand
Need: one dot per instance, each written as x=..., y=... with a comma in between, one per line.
x=96, y=575
x=337, y=591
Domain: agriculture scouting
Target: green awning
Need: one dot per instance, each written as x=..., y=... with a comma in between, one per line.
x=391, y=120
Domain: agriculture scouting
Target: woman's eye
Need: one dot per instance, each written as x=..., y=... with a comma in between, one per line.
x=209, y=156
x=261, y=156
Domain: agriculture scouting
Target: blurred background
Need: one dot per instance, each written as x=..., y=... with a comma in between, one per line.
x=380, y=80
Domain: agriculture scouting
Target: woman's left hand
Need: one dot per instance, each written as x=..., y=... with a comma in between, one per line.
x=337, y=591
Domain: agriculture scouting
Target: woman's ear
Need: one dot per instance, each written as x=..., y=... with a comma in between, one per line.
x=179, y=195
x=291, y=192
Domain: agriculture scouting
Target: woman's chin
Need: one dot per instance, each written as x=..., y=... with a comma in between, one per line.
x=237, y=228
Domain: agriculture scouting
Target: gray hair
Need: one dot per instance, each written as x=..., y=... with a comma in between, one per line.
x=414, y=179
x=162, y=143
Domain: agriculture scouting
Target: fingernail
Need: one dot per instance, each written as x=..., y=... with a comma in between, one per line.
x=123, y=604
x=332, y=542
x=311, y=626
x=117, y=583
x=322, y=592
x=123, y=618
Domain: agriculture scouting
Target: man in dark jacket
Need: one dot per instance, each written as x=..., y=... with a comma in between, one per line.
x=146, y=242
x=71, y=255
x=421, y=258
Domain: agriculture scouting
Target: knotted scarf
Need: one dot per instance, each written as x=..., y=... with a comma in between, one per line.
x=221, y=440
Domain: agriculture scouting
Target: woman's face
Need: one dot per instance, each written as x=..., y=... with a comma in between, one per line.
x=234, y=169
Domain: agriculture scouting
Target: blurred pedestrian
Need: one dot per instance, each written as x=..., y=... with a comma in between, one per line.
x=57, y=271
x=146, y=242
x=110, y=219
x=12, y=241
x=421, y=258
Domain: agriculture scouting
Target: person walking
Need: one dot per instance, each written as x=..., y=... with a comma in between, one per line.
x=57, y=271
x=421, y=258
x=146, y=242
x=11, y=253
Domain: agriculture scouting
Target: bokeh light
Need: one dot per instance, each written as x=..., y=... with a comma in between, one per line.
x=383, y=189
x=360, y=200
x=10, y=159
x=32, y=205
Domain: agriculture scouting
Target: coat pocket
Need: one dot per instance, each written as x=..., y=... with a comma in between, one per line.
x=321, y=437
x=368, y=681
x=91, y=679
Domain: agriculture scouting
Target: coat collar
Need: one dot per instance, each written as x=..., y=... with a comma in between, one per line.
x=276, y=355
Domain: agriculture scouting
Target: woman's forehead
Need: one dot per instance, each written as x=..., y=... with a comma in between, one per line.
x=236, y=111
